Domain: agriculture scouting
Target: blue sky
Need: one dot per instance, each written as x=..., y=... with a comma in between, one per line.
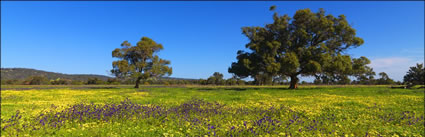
x=199, y=38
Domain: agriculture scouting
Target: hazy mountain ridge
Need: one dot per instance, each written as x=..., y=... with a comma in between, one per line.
x=23, y=73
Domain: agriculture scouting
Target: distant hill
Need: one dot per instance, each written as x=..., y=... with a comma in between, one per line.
x=23, y=73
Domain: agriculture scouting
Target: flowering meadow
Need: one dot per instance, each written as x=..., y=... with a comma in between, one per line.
x=213, y=111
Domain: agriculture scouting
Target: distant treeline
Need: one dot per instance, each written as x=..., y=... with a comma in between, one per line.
x=415, y=76
x=215, y=79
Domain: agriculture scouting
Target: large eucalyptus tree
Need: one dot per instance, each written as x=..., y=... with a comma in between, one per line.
x=307, y=44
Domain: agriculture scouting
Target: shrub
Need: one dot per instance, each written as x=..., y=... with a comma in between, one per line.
x=94, y=81
x=36, y=80
x=60, y=81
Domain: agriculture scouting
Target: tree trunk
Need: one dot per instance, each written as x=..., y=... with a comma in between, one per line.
x=294, y=82
x=137, y=83
x=268, y=80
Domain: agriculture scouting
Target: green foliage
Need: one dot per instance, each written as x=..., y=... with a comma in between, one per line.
x=113, y=81
x=60, y=81
x=10, y=82
x=232, y=81
x=139, y=62
x=309, y=44
x=95, y=81
x=203, y=82
x=240, y=82
x=36, y=80
x=341, y=68
x=384, y=80
x=363, y=73
x=272, y=8
x=77, y=82
x=415, y=75
x=216, y=79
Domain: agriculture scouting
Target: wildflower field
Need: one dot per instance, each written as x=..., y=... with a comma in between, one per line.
x=213, y=111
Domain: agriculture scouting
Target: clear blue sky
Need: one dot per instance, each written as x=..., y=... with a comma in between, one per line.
x=200, y=38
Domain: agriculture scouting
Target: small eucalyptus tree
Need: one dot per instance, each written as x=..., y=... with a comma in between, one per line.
x=139, y=62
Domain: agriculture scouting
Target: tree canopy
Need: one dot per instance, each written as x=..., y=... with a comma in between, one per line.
x=385, y=79
x=415, y=75
x=216, y=79
x=308, y=44
x=140, y=61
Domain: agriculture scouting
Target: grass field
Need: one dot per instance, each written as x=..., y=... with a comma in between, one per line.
x=211, y=111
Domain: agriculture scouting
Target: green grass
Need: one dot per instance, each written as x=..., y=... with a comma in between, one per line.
x=342, y=110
